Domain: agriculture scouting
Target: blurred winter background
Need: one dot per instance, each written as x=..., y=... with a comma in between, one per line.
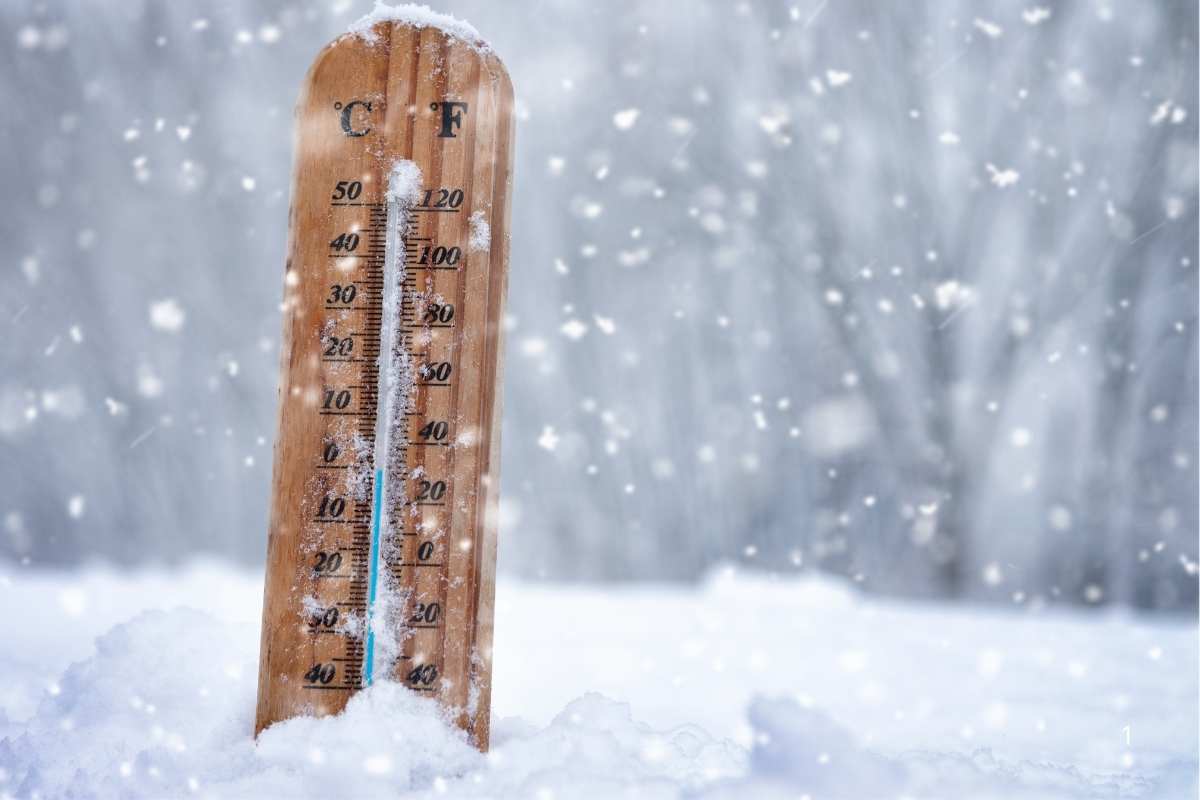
x=816, y=306
x=903, y=292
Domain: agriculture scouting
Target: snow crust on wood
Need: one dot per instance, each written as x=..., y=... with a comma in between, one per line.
x=418, y=16
x=397, y=381
x=481, y=232
x=404, y=182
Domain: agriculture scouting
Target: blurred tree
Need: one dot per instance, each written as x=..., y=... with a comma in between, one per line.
x=906, y=293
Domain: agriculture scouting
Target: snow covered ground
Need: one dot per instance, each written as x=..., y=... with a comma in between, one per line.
x=744, y=687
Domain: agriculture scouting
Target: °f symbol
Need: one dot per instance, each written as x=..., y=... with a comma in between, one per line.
x=452, y=117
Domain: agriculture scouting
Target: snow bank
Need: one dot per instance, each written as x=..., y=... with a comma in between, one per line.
x=165, y=708
x=801, y=688
x=418, y=16
x=802, y=752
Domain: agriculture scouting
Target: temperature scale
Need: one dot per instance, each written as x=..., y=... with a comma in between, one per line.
x=382, y=549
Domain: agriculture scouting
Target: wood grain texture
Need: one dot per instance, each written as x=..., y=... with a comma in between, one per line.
x=439, y=553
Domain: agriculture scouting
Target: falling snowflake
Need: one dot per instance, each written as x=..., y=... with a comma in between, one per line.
x=76, y=506
x=1035, y=15
x=990, y=29
x=549, y=439
x=837, y=78
x=573, y=329
x=148, y=382
x=951, y=294
x=1002, y=177
x=167, y=315
x=626, y=118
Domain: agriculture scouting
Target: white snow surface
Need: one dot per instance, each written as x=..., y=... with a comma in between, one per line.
x=418, y=16
x=143, y=685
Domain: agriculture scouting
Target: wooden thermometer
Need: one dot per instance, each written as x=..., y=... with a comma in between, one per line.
x=382, y=550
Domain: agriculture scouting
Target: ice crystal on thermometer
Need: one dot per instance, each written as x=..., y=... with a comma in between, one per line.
x=481, y=232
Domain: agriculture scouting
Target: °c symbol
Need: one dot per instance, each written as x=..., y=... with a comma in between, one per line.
x=347, y=112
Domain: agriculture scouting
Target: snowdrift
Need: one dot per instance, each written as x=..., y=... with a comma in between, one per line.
x=161, y=705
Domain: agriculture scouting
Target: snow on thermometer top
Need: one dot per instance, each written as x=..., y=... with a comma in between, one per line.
x=381, y=557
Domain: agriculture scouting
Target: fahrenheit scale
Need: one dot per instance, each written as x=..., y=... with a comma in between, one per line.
x=381, y=556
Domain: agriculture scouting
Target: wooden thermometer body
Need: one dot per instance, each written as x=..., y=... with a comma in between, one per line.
x=382, y=544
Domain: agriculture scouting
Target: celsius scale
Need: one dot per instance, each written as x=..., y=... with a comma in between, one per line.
x=382, y=549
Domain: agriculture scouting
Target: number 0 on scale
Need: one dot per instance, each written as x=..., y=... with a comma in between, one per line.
x=382, y=543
